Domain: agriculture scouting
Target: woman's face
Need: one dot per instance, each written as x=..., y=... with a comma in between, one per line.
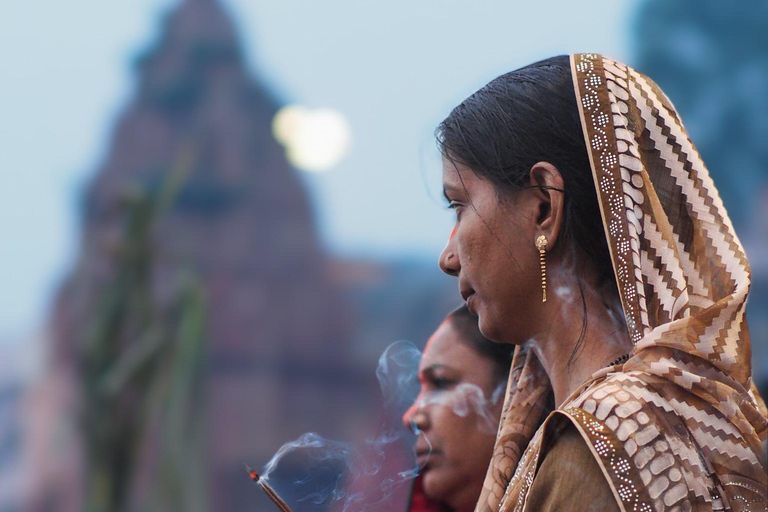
x=492, y=251
x=455, y=418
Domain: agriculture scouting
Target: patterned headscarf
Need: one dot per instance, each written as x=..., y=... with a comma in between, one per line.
x=680, y=423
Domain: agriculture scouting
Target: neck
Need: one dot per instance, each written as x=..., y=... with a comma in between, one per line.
x=581, y=336
x=466, y=500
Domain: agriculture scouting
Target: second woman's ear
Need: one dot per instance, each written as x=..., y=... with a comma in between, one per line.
x=548, y=186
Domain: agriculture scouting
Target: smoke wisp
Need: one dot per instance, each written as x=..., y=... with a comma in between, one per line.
x=318, y=474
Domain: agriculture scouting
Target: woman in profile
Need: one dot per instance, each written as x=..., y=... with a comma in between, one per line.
x=590, y=235
x=456, y=414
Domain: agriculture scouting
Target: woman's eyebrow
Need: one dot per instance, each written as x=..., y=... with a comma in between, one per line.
x=430, y=370
x=448, y=188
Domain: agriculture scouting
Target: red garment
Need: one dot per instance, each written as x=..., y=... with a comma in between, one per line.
x=420, y=502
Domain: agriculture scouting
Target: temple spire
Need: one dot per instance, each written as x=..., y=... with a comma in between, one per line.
x=197, y=39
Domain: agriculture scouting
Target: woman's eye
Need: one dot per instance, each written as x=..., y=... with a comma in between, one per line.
x=455, y=206
x=441, y=384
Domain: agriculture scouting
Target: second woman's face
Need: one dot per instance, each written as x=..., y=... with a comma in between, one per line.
x=455, y=416
x=492, y=251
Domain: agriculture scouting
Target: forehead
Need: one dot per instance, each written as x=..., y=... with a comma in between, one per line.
x=455, y=173
x=460, y=179
x=446, y=347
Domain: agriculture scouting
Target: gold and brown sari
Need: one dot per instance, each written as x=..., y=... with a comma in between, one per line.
x=679, y=426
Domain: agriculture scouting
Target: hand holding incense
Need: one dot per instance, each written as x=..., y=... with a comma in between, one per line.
x=268, y=490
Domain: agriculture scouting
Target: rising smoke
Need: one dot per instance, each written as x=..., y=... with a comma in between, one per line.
x=341, y=477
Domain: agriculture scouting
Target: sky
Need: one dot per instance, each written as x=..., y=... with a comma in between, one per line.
x=393, y=68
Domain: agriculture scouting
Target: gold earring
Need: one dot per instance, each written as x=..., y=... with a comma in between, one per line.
x=541, y=245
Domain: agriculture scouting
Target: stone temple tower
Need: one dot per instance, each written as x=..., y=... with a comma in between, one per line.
x=276, y=334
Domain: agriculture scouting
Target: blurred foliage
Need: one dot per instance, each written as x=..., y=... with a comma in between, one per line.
x=142, y=374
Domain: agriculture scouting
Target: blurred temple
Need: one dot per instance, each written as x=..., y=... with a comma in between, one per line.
x=203, y=325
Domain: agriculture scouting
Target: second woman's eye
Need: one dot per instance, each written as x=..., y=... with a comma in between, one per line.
x=441, y=383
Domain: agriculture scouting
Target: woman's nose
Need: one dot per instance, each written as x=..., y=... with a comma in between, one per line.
x=415, y=418
x=449, y=261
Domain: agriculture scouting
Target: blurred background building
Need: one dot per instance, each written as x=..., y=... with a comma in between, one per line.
x=218, y=300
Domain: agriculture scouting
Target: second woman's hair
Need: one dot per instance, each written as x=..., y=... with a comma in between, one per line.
x=498, y=353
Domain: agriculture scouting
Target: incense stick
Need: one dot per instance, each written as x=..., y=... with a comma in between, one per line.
x=277, y=500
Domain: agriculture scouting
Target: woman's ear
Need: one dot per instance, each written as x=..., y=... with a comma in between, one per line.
x=549, y=188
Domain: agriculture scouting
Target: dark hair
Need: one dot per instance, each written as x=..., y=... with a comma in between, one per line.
x=523, y=117
x=499, y=353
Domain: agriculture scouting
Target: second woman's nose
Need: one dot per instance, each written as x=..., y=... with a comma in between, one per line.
x=415, y=418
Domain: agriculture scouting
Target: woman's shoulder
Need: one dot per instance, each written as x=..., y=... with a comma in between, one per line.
x=641, y=444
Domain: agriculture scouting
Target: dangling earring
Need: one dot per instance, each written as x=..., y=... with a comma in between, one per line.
x=541, y=245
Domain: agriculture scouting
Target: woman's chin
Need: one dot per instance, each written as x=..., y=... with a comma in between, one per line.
x=434, y=485
x=495, y=330
x=488, y=327
x=438, y=485
x=450, y=489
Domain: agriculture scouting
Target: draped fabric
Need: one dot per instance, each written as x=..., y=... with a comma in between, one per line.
x=680, y=425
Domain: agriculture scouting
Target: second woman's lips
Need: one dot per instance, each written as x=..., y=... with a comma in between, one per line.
x=423, y=457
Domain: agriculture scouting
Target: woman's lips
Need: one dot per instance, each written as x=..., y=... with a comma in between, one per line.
x=424, y=459
x=424, y=452
x=470, y=303
x=468, y=294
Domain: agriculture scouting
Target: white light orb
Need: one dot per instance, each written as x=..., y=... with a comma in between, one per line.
x=315, y=140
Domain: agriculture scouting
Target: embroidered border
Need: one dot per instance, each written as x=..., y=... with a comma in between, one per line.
x=614, y=461
x=617, y=181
